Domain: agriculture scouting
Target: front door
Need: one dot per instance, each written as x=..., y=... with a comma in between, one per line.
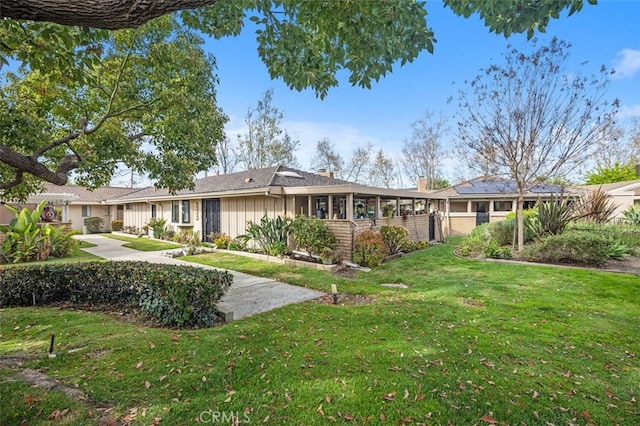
x=210, y=217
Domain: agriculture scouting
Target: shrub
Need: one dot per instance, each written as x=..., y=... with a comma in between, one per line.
x=238, y=244
x=312, y=235
x=369, y=249
x=474, y=243
x=221, y=241
x=270, y=235
x=552, y=216
x=93, y=224
x=175, y=296
x=394, y=237
x=573, y=247
x=134, y=230
x=493, y=250
x=632, y=214
x=623, y=233
x=503, y=231
x=117, y=225
x=158, y=225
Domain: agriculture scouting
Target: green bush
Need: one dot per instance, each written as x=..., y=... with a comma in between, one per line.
x=503, y=231
x=474, y=243
x=117, y=225
x=369, y=249
x=577, y=247
x=624, y=233
x=394, y=237
x=238, y=244
x=493, y=250
x=312, y=235
x=93, y=224
x=174, y=296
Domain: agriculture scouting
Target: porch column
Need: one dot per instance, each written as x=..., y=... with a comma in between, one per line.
x=397, y=206
x=349, y=213
x=378, y=212
x=309, y=206
x=329, y=214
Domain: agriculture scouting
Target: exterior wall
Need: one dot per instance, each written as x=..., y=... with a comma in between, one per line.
x=343, y=230
x=138, y=214
x=74, y=213
x=622, y=203
x=461, y=224
x=235, y=213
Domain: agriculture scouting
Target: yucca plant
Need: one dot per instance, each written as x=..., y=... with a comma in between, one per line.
x=552, y=217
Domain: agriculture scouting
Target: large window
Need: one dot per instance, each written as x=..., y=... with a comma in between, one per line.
x=180, y=211
x=86, y=211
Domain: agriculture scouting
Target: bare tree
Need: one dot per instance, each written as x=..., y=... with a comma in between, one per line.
x=226, y=156
x=326, y=157
x=532, y=118
x=357, y=166
x=423, y=152
x=265, y=144
x=383, y=172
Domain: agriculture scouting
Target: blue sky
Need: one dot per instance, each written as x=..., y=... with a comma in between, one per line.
x=606, y=34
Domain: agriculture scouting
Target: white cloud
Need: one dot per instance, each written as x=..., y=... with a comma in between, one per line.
x=627, y=63
x=629, y=111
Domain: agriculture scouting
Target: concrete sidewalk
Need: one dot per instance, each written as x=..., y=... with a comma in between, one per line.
x=248, y=295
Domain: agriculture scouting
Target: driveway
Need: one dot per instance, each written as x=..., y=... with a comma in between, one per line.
x=248, y=294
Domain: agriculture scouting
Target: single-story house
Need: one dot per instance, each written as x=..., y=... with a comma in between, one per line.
x=467, y=204
x=622, y=194
x=227, y=203
x=75, y=203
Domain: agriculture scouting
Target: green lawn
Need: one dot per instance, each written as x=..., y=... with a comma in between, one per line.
x=469, y=342
x=144, y=244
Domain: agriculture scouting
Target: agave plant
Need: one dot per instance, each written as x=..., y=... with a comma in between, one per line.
x=270, y=235
x=632, y=214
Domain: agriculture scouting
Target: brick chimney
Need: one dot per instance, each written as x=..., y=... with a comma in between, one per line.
x=422, y=184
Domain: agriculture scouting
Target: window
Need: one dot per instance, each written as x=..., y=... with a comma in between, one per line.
x=175, y=211
x=185, y=211
x=129, y=206
x=480, y=206
x=502, y=206
x=153, y=211
x=458, y=207
x=86, y=211
x=181, y=211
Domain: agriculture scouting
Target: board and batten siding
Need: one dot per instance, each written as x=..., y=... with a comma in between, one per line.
x=237, y=212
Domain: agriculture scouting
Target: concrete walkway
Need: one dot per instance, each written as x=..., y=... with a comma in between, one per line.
x=248, y=294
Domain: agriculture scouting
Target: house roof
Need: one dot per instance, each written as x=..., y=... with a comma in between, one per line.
x=632, y=185
x=79, y=195
x=276, y=180
x=491, y=187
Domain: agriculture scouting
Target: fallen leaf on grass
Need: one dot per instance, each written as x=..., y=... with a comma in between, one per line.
x=139, y=365
x=489, y=419
x=147, y=384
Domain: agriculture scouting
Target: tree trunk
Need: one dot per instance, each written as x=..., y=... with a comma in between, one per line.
x=107, y=14
x=520, y=217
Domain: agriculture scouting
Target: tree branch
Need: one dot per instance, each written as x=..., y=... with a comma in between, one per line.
x=106, y=14
x=33, y=166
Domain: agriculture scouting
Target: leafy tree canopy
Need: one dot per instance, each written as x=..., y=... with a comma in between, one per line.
x=84, y=96
x=617, y=173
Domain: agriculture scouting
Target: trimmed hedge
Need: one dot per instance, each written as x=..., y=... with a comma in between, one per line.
x=575, y=247
x=173, y=295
